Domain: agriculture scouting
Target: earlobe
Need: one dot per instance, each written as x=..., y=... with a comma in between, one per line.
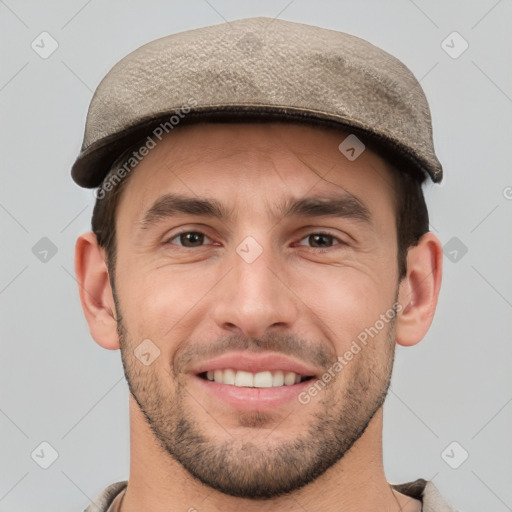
x=419, y=290
x=95, y=291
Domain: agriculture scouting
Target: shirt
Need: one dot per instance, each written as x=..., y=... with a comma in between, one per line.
x=110, y=498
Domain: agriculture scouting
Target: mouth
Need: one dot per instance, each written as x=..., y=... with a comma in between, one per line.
x=245, y=379
x=248, y=381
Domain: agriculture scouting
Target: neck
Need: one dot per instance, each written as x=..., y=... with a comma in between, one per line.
x=357, y=482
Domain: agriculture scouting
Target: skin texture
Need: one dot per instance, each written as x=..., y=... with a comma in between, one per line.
x=304, y=296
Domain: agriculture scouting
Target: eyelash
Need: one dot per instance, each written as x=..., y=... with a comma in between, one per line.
x=317, y=249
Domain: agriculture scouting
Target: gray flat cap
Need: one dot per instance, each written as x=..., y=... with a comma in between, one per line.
x=259, y=69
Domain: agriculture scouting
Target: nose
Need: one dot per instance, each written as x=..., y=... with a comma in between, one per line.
x=254, y=297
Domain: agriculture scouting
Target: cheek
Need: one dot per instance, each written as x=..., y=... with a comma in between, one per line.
x=344, y=301
x=161, y=303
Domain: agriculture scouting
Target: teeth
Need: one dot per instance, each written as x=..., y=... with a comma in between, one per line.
x=229, y=377
x=289, y=378
x=263, y=380
x=277, y=379
x=245, y=379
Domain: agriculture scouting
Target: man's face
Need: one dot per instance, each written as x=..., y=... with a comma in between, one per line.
x=256, y=297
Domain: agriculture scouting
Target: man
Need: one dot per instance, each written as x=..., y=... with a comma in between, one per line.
x=260, y=243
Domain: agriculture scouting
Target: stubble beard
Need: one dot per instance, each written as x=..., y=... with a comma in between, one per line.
x=243, y=468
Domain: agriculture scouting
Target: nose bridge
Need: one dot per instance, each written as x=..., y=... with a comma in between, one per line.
x=254, y=297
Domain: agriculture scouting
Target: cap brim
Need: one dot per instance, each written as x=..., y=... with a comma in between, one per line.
x=93, y=163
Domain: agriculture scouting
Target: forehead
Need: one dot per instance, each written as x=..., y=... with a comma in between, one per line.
x=261, y=161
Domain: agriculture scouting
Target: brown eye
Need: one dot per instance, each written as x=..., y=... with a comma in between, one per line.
x=320, y=240
x=189, y=239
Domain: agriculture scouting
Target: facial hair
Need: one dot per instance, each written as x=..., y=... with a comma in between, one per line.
x=242, y=468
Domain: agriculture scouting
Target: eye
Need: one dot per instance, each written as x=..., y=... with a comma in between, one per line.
x=189, y=239
x=321, y=240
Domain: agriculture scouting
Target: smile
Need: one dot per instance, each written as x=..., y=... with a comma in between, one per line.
x=264, y=379
x=252, y=381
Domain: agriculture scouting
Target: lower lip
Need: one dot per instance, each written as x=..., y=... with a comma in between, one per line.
x=253, y=399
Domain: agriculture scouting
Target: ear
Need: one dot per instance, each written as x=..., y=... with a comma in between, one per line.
x=95, y=291
x=419, y=290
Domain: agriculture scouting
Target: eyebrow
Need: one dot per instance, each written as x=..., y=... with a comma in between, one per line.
x=344, y=205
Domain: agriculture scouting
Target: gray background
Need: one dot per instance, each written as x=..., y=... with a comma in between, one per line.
x=58, y=386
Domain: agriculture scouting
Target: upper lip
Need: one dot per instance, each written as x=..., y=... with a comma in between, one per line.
x=254, y=363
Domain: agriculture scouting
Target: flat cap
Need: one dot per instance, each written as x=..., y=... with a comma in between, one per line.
x=259, y=69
